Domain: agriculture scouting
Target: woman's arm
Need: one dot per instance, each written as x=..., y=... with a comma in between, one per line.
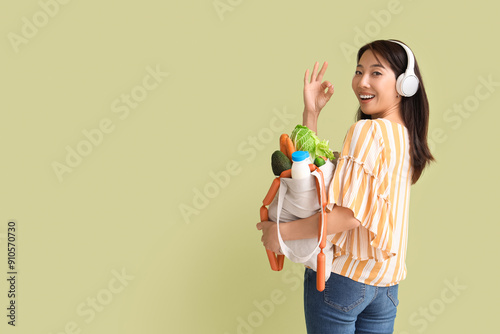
x=310, y=120
x=338, y=220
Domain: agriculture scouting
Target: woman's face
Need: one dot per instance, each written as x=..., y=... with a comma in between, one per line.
x=374, y=84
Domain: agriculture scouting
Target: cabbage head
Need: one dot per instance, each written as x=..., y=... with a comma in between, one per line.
x=305, y=139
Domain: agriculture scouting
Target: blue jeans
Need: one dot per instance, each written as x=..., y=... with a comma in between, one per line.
x=347, y=306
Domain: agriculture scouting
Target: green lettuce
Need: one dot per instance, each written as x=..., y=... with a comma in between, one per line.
x=305, y=139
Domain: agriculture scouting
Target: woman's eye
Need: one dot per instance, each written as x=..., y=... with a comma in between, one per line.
x=357, y=72
x=377, y=73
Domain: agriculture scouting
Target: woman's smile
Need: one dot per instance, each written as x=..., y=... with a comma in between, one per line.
x=366, y=97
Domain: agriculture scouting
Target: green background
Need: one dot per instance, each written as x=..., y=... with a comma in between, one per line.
x=232, y=66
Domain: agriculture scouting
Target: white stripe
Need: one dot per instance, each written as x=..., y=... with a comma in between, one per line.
x=366, y=270
x=351, y=268
x=338, y=263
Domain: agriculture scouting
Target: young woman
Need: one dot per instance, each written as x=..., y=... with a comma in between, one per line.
x=383, y=154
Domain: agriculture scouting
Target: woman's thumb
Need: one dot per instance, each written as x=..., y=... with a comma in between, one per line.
x=329, y=86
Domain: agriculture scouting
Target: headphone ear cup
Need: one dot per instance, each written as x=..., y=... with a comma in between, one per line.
x=407, y=85
x=410, y=85
x=399, y=84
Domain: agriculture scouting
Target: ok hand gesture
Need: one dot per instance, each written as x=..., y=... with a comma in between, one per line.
x=315, y=97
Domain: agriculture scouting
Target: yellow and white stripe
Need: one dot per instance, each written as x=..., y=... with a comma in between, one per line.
x=373, y=179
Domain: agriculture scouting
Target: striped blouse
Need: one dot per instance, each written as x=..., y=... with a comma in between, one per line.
x=373, y=179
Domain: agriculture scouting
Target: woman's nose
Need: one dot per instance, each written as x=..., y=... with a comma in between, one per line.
x=364, y=82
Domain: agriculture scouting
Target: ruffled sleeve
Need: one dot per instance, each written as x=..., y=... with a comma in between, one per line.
x=362, y=184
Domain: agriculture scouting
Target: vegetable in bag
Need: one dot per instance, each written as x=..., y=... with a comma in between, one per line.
x=304, y=139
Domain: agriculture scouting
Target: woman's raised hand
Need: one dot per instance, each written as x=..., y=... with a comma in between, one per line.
x=315, y=97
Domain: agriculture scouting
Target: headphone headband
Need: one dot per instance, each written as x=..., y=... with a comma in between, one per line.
x=407, y=83
x=409, y=54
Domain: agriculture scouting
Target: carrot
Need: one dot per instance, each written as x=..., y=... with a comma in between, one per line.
x=264, y=213
x=286, y=173
x=290, y=148
x=274, y=261
x=283, y=147
x=281, y=261
x=286, y=146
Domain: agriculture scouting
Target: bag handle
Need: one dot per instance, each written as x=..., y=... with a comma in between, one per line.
x=276, y=262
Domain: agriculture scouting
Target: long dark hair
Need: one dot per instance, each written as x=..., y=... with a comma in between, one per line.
x=414, y=110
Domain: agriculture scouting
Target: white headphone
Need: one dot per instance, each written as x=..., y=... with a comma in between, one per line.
x=407, y=82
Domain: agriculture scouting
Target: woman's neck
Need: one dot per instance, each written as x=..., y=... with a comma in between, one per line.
x=392, y=115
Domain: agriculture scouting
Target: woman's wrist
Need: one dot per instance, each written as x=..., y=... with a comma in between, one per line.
x=310, y=119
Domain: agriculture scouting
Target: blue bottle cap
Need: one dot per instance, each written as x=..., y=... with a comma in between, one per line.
x=300, y=156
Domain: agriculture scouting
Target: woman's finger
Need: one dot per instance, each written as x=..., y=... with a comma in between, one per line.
x=313, y=74
x=328, y=95
x=322, y=71
x=327, y=85
x=330, y=91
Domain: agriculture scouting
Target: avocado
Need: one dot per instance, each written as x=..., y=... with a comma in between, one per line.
x=280, y=162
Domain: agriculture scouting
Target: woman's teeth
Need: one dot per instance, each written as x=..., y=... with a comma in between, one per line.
x=366, y=97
